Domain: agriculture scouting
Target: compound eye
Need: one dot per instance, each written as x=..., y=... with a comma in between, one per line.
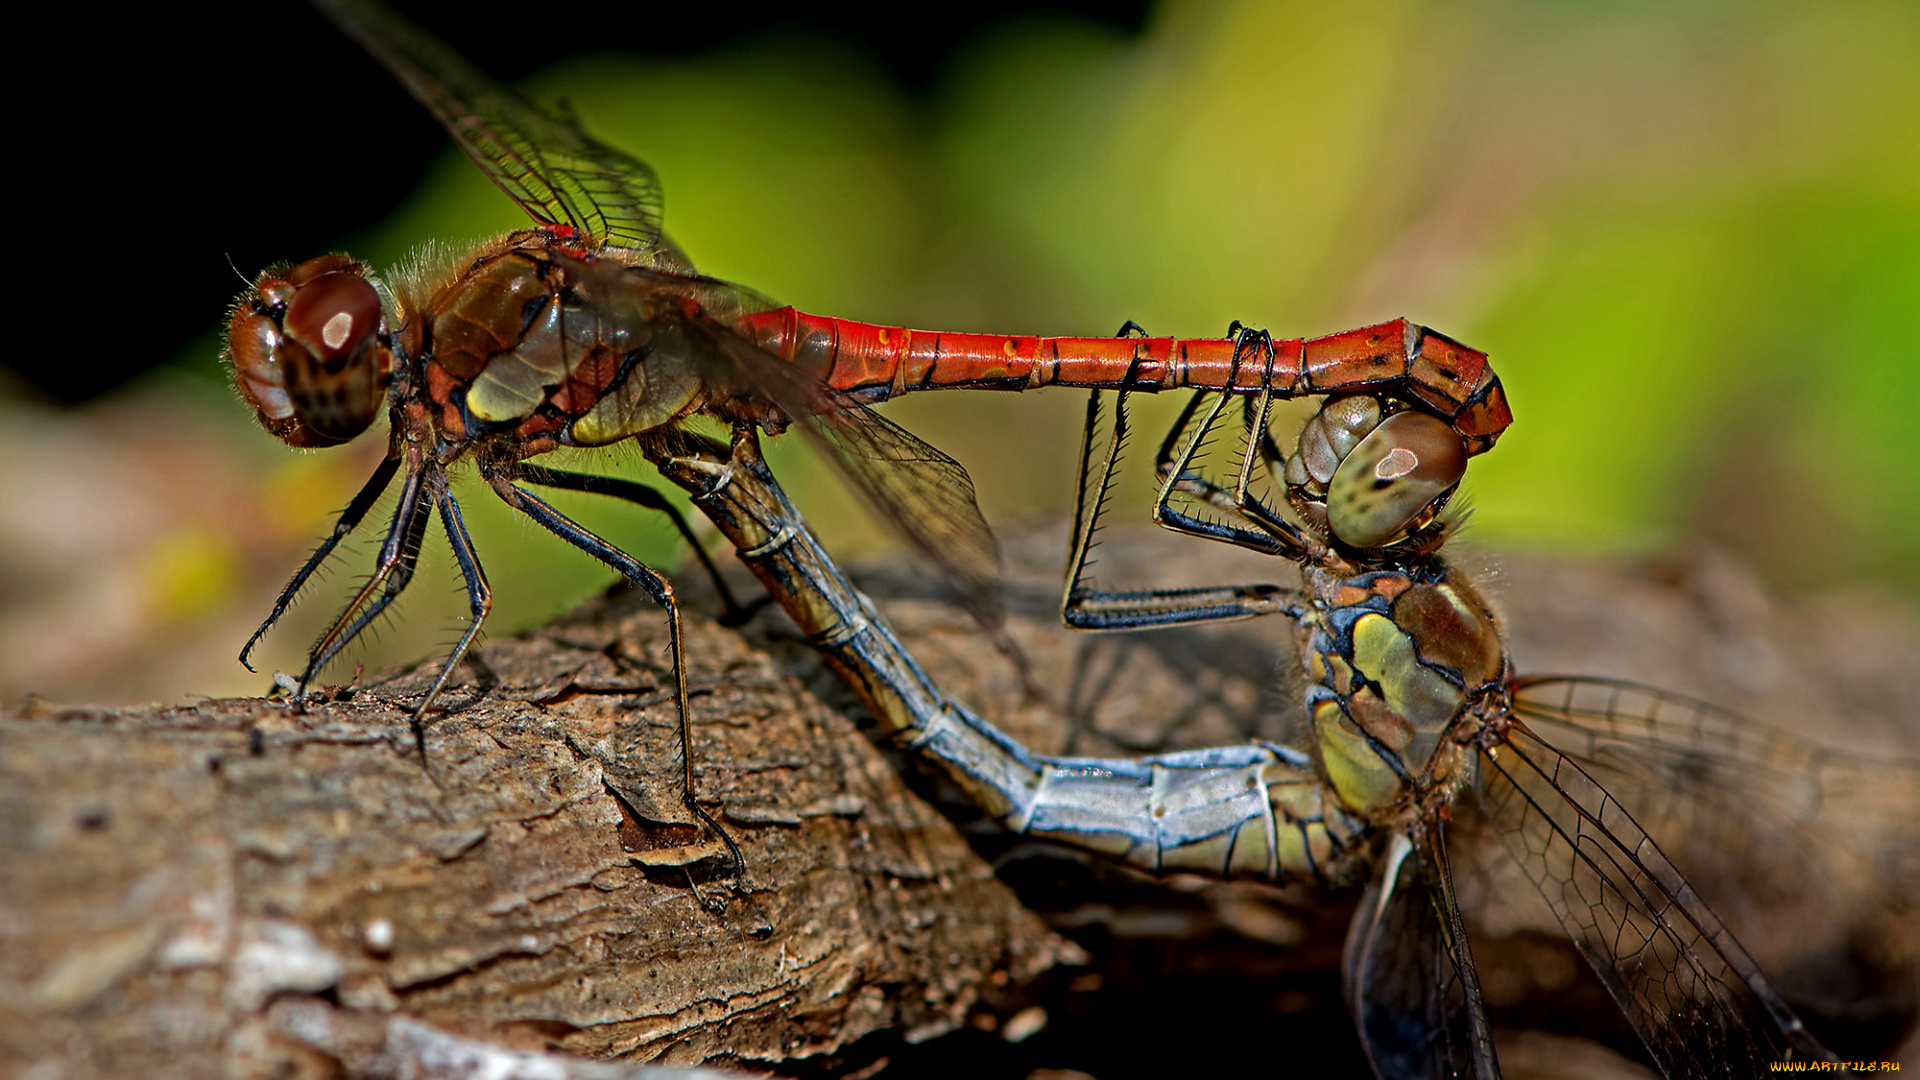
x=307, y=351
x=335, y=316
x=1332, y=434
x=1392, y=478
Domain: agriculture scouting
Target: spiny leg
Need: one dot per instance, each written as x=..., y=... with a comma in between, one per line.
x=1086, y=608
x=1260, y=442
x=348, y=520
x=1090, y=500
x=1186, y=441
x=1174, y=460
x=1271, y=535
x=661, y=591
x=644, y=496
x=399, y=554
x=479, y=602
x=396, y=584
x=1260, y=452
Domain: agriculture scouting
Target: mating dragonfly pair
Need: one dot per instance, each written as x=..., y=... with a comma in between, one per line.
x=591, y=328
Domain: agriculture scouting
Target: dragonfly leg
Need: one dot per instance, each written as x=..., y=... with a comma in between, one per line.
x=661, y=591
x=639, y=494
x=348, y=520
x=1084, y=607
x=1174, y=465
x=1184, y=444
x=479, y=602
x=1253, y=811
x=399, y=554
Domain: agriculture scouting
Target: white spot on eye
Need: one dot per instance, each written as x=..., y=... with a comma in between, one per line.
x=338, y=330
x=1399, y=462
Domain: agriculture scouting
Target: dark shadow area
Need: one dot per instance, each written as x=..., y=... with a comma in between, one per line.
x=258, y=132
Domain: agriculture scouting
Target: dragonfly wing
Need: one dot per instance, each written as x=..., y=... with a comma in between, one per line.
x=1804, y=851
x=542, y=159
x=924, y=495
x=1408, y=971
x=1691, y=991
x=1679, y=760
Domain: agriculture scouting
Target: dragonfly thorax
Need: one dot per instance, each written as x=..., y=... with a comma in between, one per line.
x=1395, y=658
x=552, y=345
x=309, y=351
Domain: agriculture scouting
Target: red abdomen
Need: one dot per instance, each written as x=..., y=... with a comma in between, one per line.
x=1397, y=357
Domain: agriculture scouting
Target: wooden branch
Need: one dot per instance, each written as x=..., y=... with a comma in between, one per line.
x=172, y=872
x=242, y=886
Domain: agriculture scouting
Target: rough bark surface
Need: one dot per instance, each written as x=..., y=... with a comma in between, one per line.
x=241, y=886
x=170, y=872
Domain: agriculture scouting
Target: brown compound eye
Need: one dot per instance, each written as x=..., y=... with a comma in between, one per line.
x=1389, y=481
x=336, y=316
x=307, y=352
x=1332, y=434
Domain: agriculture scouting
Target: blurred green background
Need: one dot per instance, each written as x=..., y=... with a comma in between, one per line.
x=1687, y=233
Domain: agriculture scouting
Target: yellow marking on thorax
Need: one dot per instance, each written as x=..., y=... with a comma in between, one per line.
x=1358, y=774
x=1386, y=654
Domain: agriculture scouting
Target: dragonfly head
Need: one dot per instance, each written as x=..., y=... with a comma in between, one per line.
x=1371, y=476
x=310, y=351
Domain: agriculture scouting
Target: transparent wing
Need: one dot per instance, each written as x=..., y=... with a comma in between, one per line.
x=1679, y=759
x=924, y=495
x=1409, y=976
x=1800, y=847
x=1805, y=852
x=1691, y=991
x=558, y=173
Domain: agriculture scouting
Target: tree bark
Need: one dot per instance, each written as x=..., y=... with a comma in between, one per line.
x=251, y=887
x=173, y=872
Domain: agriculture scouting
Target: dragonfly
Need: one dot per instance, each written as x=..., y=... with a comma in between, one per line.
x=590, y=328
x=1421, y=727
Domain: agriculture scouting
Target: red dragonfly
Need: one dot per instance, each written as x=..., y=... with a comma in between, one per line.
x=591, y=327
